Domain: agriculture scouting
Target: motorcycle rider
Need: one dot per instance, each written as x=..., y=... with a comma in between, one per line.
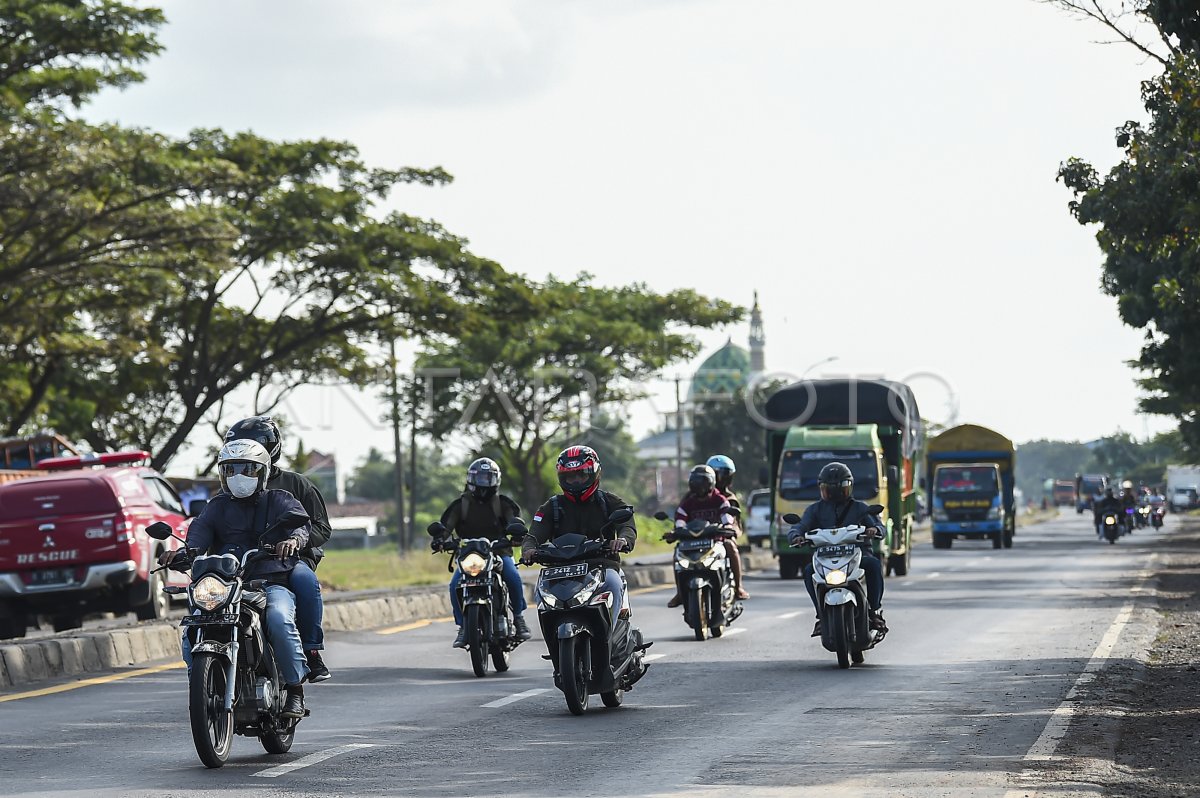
x=310, y=607
x=583, y=508
x=724, y=469
x=1129, y=501
x=705, y=502
x=232, y=523
x=1106, y=505
x=482, y=512
x=838, y=508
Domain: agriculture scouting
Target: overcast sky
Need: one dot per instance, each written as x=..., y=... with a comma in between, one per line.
x=883, y=173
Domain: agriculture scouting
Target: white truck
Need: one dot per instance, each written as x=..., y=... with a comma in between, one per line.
x=1183, y=487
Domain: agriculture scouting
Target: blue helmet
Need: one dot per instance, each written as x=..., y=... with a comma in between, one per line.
x=724, y=469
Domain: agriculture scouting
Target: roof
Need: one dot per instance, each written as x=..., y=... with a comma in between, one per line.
x=357, y=510
x=663, y=445
x=723, y=372
x=837, y=402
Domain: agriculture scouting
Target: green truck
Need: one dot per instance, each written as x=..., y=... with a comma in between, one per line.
x=874, y=427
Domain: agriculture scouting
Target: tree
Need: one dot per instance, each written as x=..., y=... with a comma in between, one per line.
x=542, y=356
x=1148, y=213
x=1040, y=460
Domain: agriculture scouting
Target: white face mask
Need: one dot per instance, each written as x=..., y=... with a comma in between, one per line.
x=242, y=486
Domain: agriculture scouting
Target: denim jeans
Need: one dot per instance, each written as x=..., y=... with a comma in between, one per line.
x=516, y=590
x=310, y=609
x=281, y=631
x=873, y=570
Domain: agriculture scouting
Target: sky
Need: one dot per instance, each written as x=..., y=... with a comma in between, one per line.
x=882, y=173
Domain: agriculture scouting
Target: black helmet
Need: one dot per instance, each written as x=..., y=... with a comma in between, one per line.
x=702, y=480
x=259, y=428
x=578, y=472
x=483, y=478
x=836, y=482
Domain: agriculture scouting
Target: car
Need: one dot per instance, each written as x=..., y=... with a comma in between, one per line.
x=757, y=522
x=73, y=541
x=1184, y=499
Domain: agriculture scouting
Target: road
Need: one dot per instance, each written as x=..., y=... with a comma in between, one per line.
x=984, y=646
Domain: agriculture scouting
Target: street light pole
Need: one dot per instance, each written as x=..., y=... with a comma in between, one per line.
x=829, y=359
x=398, y=451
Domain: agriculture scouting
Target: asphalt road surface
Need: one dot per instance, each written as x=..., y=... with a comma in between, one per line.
x=984, y=647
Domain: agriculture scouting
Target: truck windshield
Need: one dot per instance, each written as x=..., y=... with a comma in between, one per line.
x=979, y=479
x=799, y=469
x=1090, y=485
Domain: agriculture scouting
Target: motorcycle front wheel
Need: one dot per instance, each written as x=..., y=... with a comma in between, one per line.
x=698, y=612
x=475, y=639
x=839, y=631
x=212, y=726
x=571, y=675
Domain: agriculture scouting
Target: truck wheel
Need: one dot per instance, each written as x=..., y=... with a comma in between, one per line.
x=898, y=563
x=1008, y=540
x=996, y=540
x=65, y=623
x=789, y=566
x=942, y=541
x=12, y=623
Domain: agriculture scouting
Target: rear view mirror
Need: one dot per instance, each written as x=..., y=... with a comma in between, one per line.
x=437, y=529
x=621, y=516
x=662, y=516
x=159, y=530
x=196, y=506
x=515, y=527
x=875, y=509
x=292, y=519
x=791, y=518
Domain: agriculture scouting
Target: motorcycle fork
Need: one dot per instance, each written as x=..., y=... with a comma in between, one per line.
x=231, y=668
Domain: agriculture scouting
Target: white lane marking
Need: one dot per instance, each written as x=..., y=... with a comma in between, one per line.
x=652, y=657
x=311, y=759
x=1060, y=720
x=501, y=702
x=789, y=615
x=737, y=630
x=933, y=575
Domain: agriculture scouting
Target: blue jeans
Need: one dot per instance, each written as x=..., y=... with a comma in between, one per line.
x=516, y=590
x=310, y=609
x=281, y=631
x=873, y=570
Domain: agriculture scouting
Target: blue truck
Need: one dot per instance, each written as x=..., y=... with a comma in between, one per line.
x=970, y=475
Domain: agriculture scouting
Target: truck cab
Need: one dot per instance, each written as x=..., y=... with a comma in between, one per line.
x=968, y=502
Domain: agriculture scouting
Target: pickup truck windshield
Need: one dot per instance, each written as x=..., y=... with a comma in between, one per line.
x=799, y=469
x=966, y=480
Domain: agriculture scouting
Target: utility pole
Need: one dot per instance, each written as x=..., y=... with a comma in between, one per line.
x=412, y=470
x=398, y=451
x=678, y=437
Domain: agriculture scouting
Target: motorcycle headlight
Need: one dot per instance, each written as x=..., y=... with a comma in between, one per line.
x=835, y=577
x=1110, y=520
x=584, y=593
x=210, y=593
x=473, y=564
x=548, y=601
x=709, y=559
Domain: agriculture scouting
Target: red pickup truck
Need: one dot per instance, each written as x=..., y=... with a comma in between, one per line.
x=74, y=541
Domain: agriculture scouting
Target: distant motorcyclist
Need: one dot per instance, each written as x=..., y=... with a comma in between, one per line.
x=706, y=503
x=1105, y=506
x=483, y=512
x=1129, y=501
x=233, y=523
x=838, y=508
x=582, y=508
x=310, y=607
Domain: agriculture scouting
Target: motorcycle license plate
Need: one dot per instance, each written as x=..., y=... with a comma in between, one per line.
x=565, y=571
x=837, y=551
x=474, y=582
x=695, y=545
x=52, y=576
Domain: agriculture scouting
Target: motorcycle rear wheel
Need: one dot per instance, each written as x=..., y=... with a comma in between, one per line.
x=500, y=657
x=857, y=657
x=475, y=641
x=571, y=675
x=212, y=726
x=698, y=612
x=277, y=742
x=613, y=698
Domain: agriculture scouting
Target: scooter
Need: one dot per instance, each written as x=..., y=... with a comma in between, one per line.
x=1111, y=525
x=704, y=576
x=841, y=587
x=594, y=648
x=1156, y=517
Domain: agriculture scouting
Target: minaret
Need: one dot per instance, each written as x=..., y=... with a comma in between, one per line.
x=758, y=340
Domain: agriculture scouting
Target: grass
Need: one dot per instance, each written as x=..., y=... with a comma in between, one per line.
x=1036, y=516
x=384, y=567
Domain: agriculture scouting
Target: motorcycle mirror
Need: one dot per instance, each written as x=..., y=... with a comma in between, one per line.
x=515, y=527
x=620, y=516
x=662, y=516
x=160, y=530
x=289, y=521
x=791, y=518
x=875, y=509
x=437, y=529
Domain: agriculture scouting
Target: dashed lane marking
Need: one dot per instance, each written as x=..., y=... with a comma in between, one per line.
x=655, y=589
x=652, y=657
x=503, y=702
x=737, y=630
x=115, y=677
x=311, y=759
x=408, y=627
x=789, y=615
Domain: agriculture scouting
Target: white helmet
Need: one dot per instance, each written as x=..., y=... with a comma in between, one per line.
x=244, y=467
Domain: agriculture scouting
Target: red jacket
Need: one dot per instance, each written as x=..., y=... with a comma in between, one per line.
x=711, y=508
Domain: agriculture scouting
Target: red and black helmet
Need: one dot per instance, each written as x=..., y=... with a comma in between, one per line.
x=578, y=472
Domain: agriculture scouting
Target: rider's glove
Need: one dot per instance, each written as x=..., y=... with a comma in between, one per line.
x=795, y=538
x=527, y=555
x=618, y=545
x=288, y=548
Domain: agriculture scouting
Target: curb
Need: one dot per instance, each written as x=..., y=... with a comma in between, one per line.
x=75, y=653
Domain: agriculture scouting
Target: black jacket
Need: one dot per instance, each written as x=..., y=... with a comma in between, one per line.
x=307, y=494
x=561, y=515
x=482, y=519
x=829, y=515
x=234, y=526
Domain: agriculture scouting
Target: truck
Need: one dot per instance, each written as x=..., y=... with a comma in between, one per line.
x=1087, y=488
x=970, y=472
x=1183, y=487
x=1064, y=493
x=873, y=427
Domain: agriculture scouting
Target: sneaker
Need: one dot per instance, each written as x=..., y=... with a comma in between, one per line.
x=877, y=621
x=522, y=628
x=461, y=640
x=294, y=708
x=816, y=629
x=676, y=600
x=317, y=670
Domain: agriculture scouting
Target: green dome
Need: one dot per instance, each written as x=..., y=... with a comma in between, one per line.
x=724, y=372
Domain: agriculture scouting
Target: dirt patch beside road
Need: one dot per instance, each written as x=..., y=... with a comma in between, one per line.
x=1136, y=731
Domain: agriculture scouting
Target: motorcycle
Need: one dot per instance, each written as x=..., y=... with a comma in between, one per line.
x=1112, y=524
x=487, y=612
x=234, y=685
x=593, y=646
x=1156, y=517
x=704, y=576
x=841, y=588
x=1142, y=517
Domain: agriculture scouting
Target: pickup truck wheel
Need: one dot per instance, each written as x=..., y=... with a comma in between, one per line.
x=12, y=626
x=157, y=607
x=65, y=623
